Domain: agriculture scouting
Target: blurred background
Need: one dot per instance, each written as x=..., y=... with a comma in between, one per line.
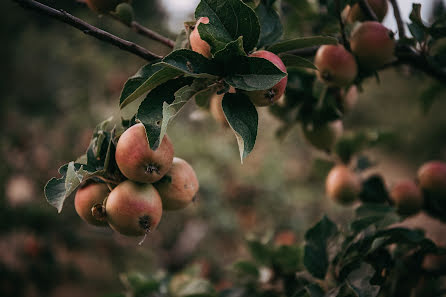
x=57, y=84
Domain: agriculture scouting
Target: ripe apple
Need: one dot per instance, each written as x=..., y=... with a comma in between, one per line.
x=342, y=185
x=269, y=96
x=373, y=44
x=196, y=43
x=179, y=186
x=407, y=197
x=216, y=109
x=87, y=196
x=337, y=66
x=102, y=5
x=137, y=161
x=432, y=178
x=133, y=209
x=324, y=136
x=285, y=238
x=379, y=7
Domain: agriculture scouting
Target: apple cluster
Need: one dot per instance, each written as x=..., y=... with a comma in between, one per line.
x=343, y=186
x=156, y=181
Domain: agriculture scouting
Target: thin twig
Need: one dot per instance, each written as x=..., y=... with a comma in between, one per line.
x=370, y=14
x=88, y=29
x=341, y=24
x=399, y=21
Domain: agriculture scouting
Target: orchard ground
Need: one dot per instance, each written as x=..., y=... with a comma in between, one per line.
x=73, y=82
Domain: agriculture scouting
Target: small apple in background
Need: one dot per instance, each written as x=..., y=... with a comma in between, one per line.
x=432, y=178
x=379, y=7
x=373, y=44
x=337, y=66
x=325, y=136
x=407, y=197
x=179, y=186
x=285, y=238
x=133, y=209
x=269, y=96
x=102, y=5
x=87, y=197
x=137, y=161
x=348, y=98
x=342, y=185
x=196, y=43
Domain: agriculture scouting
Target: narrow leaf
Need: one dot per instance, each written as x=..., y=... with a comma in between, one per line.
x=296, y=61
x=299, y=43
x=191, y=63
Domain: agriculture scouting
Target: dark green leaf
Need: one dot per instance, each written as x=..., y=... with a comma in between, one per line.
x=298, y=43
x=230, y=51
x=359, y=281
x=270, y=25
x=150, y=112
x=314, y=290
x=374, y=190
x=247, y=269
x=316, y=255
x=417, y=32
x=228, y=20
x=296, y=61
x=191, y=63
x=243, y=118
x=252, y=73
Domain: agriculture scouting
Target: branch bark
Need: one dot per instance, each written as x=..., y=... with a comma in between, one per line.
x=88, y=29
x=140, y=29
x=399, y=21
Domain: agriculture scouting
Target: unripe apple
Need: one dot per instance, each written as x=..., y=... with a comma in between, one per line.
x=379, y=7
x=285, y=238
x=196, y=43
x=407, y=197
x=342, y=185
x=179, y=186
x=337, y=66
x=324, y=136
x=137, y=161
x=133, y=209
x=216, y=109
x=373, y=44
x=348, y=99
x=87, y=197
x=269, y=96
x=432, y=178
x=102, y=5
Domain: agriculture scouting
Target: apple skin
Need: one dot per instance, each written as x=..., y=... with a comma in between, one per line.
x=348, y=99
x=373, y=44
x=133, y=209
x=342, y=185
x=269, y=96
x=88, y=196
x=196, y=43
x=432, y=178
x=179, y=186
x=337, y=67
x=216, y=109
x=323, y=137
x=379, y=7
x=102, y=5
x=137, y=161
x=407, y=197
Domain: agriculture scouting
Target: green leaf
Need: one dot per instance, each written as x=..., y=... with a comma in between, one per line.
x=194, y=287
x=374, y=190
x=145, y=80
x=314, y=290
x=228, y=20
x=316, y=255
x=230, y=51
x=359, y=281
x=247, y=269
x=270, y=26
x=150, y=112
x=296, y=61
x=243, y=119
x=252, y=73
x=288, y=258
x=191, y=63
x=260, y=252
x=298, y=43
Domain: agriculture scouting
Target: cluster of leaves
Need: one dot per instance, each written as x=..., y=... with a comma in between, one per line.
x=368, y=257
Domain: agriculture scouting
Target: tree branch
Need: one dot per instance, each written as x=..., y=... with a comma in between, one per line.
x=140, y=29
x=88, y=29
x=399, y=21
x=341, y=25
x=370, y=14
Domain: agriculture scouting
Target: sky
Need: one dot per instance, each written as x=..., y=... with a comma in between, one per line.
x=179, y=11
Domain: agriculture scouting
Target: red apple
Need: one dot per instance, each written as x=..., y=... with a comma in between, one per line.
x=342, y=185
x=407, y=197
x=196, y=43
x=87, y=197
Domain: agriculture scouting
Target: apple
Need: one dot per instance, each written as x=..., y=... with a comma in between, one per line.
x=342, y=185
x=348, y=98
x=325, y=136
x=373, y=44
x=137, y=161
x=196, y=43
x=102, y=5
x=133, y=209
x=379, y=7
x=179, y=186
x=269, y=96
x=337, y=66
x=88, y=196
x=432, y=178
x=407, y=197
